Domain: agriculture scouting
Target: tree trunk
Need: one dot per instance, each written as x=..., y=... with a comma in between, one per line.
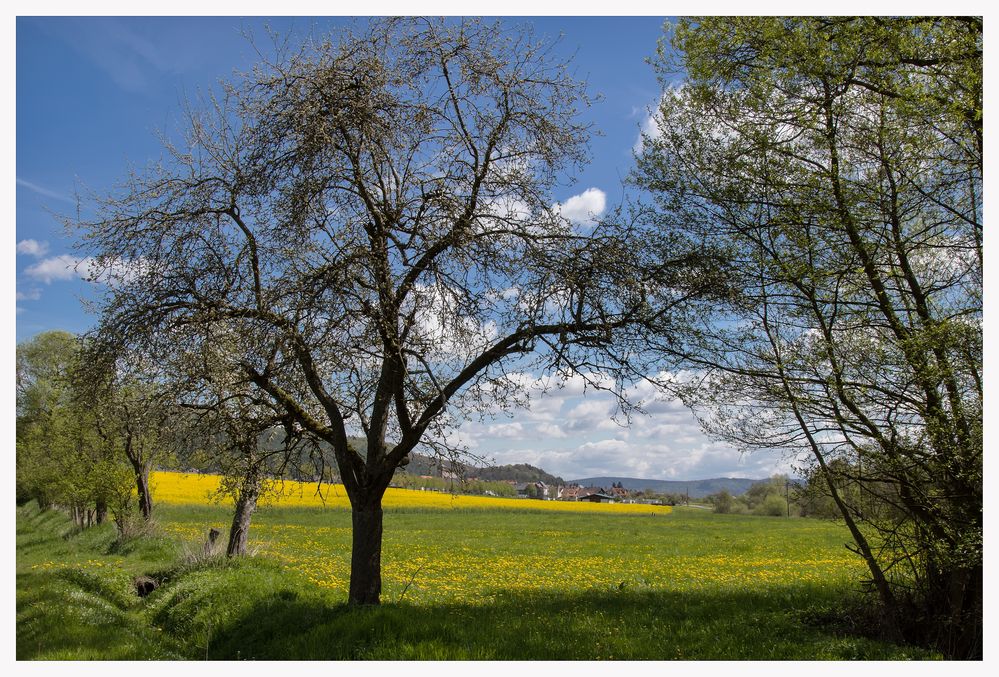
x=101, y=510
x=142, y=485
x=953, y=601
x=366, y=553
x=246, y=503
x=141, y=470
x=43, y=501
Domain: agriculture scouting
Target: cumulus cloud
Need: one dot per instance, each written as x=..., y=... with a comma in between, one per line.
x=513, y=430
x=33, y=248
x=584, y=209
x=69, y=267
x=115, y=271
x=440, y=324
x=507, y=208
x=650, y=128
x=551, y=430
x=570, y=430
x=62, y=267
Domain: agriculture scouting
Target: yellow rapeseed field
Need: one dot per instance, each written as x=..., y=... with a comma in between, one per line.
x=198, y=489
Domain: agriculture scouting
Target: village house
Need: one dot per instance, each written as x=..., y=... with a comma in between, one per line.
x=571, y=493
x=619, y=492
x=532, y=490
x=598, y=497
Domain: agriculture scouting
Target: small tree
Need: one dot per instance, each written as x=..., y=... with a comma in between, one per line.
x=60, y=459
x=723, y=502
x=251, y=445
x=131, y=410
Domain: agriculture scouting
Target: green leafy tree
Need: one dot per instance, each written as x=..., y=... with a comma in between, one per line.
x=61, y=460
x=838, y=162
x=723, y=502
x=131, y=410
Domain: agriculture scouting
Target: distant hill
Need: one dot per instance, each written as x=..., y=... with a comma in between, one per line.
x=519, y=472
x=698, y=488
x=420, y=464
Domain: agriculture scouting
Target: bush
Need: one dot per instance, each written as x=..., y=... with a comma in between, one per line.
x=772, y=506
x=723, y=502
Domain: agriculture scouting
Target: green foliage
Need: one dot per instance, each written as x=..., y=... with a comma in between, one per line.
x=60, y=457
x=517, y=472
x=835, y=165
x=723, y=502
x=773, y=505
x=768, y=498
x=75, y=599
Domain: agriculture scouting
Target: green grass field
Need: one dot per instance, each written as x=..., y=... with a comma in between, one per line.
x=457, y=585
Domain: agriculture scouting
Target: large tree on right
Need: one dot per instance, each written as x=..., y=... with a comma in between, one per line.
x=838, y=162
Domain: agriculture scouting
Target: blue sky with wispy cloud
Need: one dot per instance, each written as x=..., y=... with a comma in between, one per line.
x=94, y=92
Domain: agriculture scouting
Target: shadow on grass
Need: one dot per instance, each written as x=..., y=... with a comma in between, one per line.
x=592, y=626
x=73, y=616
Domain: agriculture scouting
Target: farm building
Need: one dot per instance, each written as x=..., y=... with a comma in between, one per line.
x=598, y=498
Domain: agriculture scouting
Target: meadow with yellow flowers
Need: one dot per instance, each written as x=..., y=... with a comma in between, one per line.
x=463, y=578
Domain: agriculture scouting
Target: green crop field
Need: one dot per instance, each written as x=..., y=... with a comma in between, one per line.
x=483, y=584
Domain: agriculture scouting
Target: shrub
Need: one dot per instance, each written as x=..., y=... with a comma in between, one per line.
x=772, y=506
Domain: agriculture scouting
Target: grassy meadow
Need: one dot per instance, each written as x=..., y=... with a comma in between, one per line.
x=462, y=579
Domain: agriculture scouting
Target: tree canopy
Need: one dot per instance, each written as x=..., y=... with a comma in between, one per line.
x=838, y=162
x=367, y=224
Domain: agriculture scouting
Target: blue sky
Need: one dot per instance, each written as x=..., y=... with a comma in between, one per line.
x=92, y=93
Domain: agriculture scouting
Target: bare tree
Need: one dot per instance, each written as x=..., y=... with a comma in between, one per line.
x=372, y=216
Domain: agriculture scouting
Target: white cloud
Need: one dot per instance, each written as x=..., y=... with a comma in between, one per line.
x=507, y=208
x=68, y=267
x=550, y=431
x=513, y=430
x=62, y=267
x=115, y=271
x=440, y=324
x=648, y=130
x=570, y=431
x=33, y=248
x=584, y=209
